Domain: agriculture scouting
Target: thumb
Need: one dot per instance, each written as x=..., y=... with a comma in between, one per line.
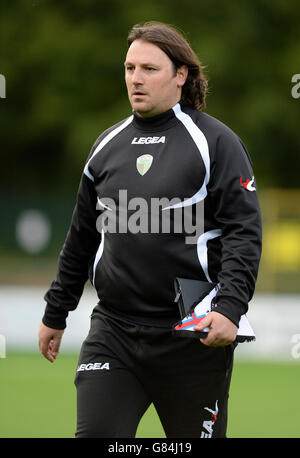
x=204, y=323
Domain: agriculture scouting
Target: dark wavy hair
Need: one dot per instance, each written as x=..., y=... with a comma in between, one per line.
x=177, y=48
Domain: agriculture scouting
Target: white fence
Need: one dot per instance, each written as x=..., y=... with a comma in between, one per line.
x=274, y=318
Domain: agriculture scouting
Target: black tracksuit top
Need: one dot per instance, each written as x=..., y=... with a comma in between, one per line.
x=193, y=157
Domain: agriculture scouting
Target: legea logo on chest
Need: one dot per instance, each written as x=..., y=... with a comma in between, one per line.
x=147, y=140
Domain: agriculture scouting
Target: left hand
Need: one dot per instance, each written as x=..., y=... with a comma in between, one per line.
x=222, y=330
x=49, y=341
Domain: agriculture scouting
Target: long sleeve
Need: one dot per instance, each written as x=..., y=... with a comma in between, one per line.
x=75, y=258
x=233, y=197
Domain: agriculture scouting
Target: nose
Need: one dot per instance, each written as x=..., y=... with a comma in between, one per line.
x=136, y=77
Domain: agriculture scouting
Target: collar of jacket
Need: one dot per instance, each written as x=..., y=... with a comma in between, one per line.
x=161, y=121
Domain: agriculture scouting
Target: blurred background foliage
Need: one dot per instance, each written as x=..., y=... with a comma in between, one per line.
x=63, y=64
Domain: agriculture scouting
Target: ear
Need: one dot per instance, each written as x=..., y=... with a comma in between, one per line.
x=182, y=73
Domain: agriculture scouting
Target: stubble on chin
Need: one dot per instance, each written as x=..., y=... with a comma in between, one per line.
x=142, y=109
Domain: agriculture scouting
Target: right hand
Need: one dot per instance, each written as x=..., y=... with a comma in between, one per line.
x=49, y=341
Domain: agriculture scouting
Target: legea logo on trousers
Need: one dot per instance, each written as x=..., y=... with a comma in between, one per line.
x=208, y=425
x=93, y=367
x=143, y=163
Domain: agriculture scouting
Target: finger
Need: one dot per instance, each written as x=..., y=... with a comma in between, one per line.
x=213, y=338
x=45, y=348
x=210, y=340
x=43, y=345
x=46, y=352
x=54, y=346
x=215, y=341
x=204, y=323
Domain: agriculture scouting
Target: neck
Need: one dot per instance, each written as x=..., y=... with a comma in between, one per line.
x=157, y=122
x=157, y=112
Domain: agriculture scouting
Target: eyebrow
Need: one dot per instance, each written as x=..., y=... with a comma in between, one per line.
x=145, y=64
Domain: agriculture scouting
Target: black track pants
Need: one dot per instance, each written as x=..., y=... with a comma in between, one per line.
x=123, y=368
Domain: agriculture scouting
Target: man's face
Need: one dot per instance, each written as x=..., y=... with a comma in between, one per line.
x=152, y=83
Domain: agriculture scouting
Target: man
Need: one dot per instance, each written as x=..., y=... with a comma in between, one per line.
x=167, y=148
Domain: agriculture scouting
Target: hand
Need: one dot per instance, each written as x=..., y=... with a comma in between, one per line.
x=49, y=341
x=222, y=330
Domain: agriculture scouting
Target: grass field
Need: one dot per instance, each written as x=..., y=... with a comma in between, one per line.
x=38, y=399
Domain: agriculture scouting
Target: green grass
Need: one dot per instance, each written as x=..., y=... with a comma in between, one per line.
x=265, y=400
x=38, y=399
